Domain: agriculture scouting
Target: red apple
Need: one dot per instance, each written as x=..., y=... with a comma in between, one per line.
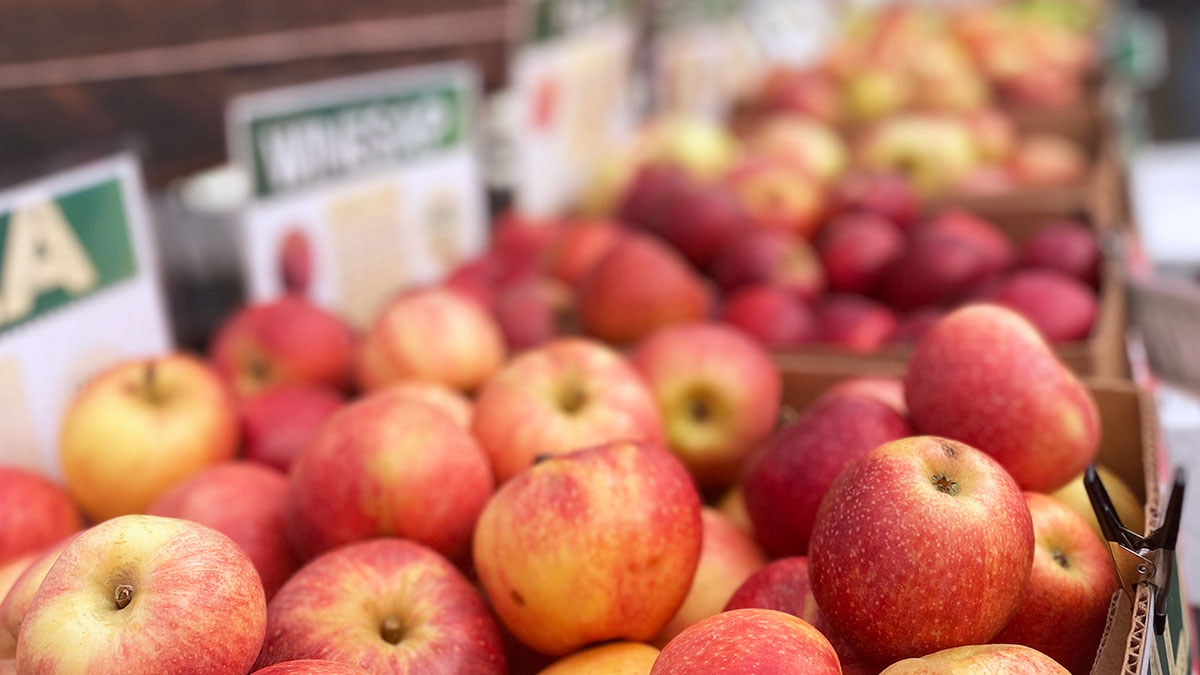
x=285, y=341
x=803, y=142
x=521, y=242
x=904, y=532
x=812, y=93
x=569, y=394
x=644, y=203
x=1065, y=608
x=1065, y=246
x=780, y=195
x=855, y=323
x=34, y=513
x=596, y=545
x=639, y=287
x=311, y=667
x=245, y=502
x=771, y=315
x=856, y=249
x=718, y=393
x=16, y=600
x=1046, y=160
x=1062, y=308
x=914, y=325
x=388, y=605
x=766, y=256
x=785, y=480
x=933, y=271
x=469, y=348
x=143, y=594
x=749, y=642
x=295, y=263
x=532, y=311
x=975, y=659
x=1043, y=87
x=733, y=505
x=447, y=401
x=279, y=422
x=700, y=219
x=480, y=279
x=579, y=248
x=968, y=228
x=887, y=390
x=889, y=195
x=994, y=132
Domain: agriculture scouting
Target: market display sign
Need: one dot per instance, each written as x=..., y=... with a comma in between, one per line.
x=79, y=290
x=363, y=185
x=572, y=91
x=1171, y=652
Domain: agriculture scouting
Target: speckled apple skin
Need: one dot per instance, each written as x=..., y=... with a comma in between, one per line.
x=1065, y=609
x=903, y=569
x=18, y=598
x=984, y=376
x=34, y=513
x=749, y=642
x=311, y=667
x=596, y=545
x=980, y=660
x=334, y=607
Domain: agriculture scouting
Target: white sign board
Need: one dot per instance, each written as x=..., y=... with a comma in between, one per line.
x=79, y=291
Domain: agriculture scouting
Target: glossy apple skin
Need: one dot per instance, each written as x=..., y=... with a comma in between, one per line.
x=445, y=400
x=1068, y=247
x=246, y=502
x=614, y=658
x=15, y=602
x=699, y=219
x=14, y=568
x=978, y=233
x=888, y=195
x=780, y=195
x=980, y=660
x=749, y=642
x=718, y=393
x=855, y=323
x=139, y=428
x=1071, y=585
x=784, y=482
x=933, y=272
x=1037, y=418
x=770, y=315
x=857, y=249
x=596, y=545
x=285, y=341
x=197, y=604
x=311, y=667
x=1062, y=308
x=336, y=606
x=904, y=532
x=572, y=393
x=34, y=513
x=578, y=248
x=279, y=422
x=397, y=346
x=533, y=311
x=388, y=465
x=770, y=257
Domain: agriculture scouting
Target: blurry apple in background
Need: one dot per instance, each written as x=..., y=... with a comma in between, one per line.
x=974, y=659
x=779, y=195
x=569, y=394
x=388, y=605
x=578, y=248
x=733, y=505
x=703, y=149
x=279, y=422
x=855, y=323
x=245, y=502
x=136, y=430
x=596, y=545
x=1128, y=506
x=13, y=569
x=986, y=179
x=804, y=142
x=533, y=311
x=889, y=195
x=1065, y=246
x=903, y=531
x=856, y=249
x=933, y=152
x=143, y=594
x=520, y=242
x=914, y=325
x=887, y=390
x=1062, y=308
x=34, y=513
x=749, y=642
x=469, y=348
x=640, y=286
x=700, y=219
x=727, y=557
x=445, y=400
x=614, y=658
x=771, y=315
x=296, y=262
x=281, y=342
x=1042, y=87
x=807, y=92
x=311, y=667
x=933, y=271
x=872, y=92
x=370, y=471
x=16, y=600
x=644, y=203
x=1065, y=607
x=1047, y=161
x=770, y=257
x=718, y=393
x=1038, y=420
x=480, y=278
x=974, y=231
x=994, y=132
x=785, y=480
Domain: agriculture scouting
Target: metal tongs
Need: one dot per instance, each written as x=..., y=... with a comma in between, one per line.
x=1139, y=559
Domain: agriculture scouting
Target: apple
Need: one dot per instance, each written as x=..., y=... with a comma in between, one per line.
x=701, y=148
x=856, y=249
x=644, y=203
x=14, y=568
x=974, y=231
x=469, y=348
x=770, y=257
x=778, y=194
x=596, y=545
x=785, y=480
x=570, y=394
x=447, y=401
x=520, y=242
x=874, y=92
x=914, y=325
x=804, y=142
x=614, y=658
x=141, y=427
x=1047, y=88
x=311, y=667
x=388, y=605
x=700, y=219
x=1065, y=246
x=143, y=594
x=1036, y=419
x=733, y=505
x=887, y=390
x=1046, y=161
x=637, y=288
x=532, y=311
x=974, y=659
x=245, y=502
x=1062, y=308
x=578, y=248
x=296, y=262
x=885, y=194
x=1071, y=585
x=34, y=513
x=770, y=315
x=718, y=393
x=285, y=341
x=934, y=152
x=749, y=642
x=481, y=279
x=808, y=92
x=278, y=423
x=728, y=556
x=995, y=134
x=933, y=271
x=903, y=532
x=1128, y=506
x=855, y=323
x=17, y=599
x=370, y=471
x=986, y=179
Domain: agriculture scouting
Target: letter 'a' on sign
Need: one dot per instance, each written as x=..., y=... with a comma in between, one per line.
x=41, y=253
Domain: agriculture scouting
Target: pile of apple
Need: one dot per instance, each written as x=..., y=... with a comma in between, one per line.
x=421, y=499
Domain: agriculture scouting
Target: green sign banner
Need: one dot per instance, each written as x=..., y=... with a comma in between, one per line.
x=1173, y=649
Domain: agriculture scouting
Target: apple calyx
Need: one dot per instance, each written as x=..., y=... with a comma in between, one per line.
x=1061, y=559
x=123, y=595
x=258, y=369
x=392, y=630
x=945, y=484
x=572, y=398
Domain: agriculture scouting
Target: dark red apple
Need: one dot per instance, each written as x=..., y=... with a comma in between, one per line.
x=770, y=256
x=856, y=249
x=855, y=323
x=771, y=315
x=1068, y=247
x=1062, y=308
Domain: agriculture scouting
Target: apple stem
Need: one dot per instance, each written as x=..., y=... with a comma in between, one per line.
x=150, y=381
x=123, y=596
x=392, y=630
